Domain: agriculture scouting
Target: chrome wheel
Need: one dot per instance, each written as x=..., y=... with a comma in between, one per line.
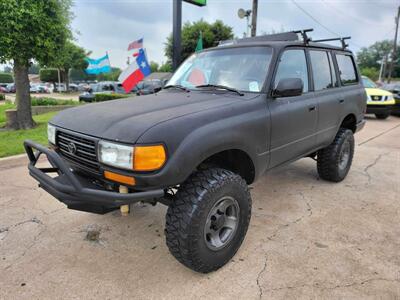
x=222, y=223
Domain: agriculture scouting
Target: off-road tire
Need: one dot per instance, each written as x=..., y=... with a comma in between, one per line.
x=329, y=158
x=190, y=208
x=382, y=116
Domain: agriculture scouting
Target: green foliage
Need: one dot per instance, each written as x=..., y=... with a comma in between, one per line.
x=166, y=67
x=106, y=97
x=111, y=76
x=47, y=101
x=70, y=56
x=80, y=75
x=212, y=34
x=6, y=78
x=48, y=75
x=2, y=97
x=154, y=66
x=12, y=142
x=371, y=57
x=33, y=29
x=372, y=73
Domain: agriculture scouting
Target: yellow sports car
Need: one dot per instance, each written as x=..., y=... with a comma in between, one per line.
x=379, y=101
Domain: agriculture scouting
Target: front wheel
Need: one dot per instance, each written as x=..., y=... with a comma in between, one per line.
x=208, y=219
x=334, y=161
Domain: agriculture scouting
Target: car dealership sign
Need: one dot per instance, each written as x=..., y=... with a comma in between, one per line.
x=197, y=2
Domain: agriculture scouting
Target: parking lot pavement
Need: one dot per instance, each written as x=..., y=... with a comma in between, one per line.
x=307, y=238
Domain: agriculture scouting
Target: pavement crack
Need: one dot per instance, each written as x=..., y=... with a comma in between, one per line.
x=308, y=213
x=366, y=169
x=378, y=135
x=260, y=289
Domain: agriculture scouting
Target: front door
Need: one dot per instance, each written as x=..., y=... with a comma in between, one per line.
x=293, y=119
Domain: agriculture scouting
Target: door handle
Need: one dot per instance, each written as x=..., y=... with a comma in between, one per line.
x=341, y=101
x=311, y=108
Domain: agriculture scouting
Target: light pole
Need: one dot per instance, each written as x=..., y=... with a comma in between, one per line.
x=245, y=14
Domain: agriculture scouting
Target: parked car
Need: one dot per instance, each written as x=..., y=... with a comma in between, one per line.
x=227, y=115
x=106, y=87
x=11, y=88
x=394, y=88
x=3, y=89
x=379, y=101
x=147, y=87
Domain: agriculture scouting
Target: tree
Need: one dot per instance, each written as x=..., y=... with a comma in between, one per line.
x=212, y=35
x=31, y=30
x=70, y=56
x=371, y=57
x=372, y=73
x=49, y=75
x=80, y=75
x=154, y=66
x=110, y=76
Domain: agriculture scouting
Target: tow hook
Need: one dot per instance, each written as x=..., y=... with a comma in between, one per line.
x=124, y=208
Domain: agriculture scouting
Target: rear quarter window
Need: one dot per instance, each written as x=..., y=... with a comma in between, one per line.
x=347, y=69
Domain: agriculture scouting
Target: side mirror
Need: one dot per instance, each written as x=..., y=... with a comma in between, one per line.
x=288, y=87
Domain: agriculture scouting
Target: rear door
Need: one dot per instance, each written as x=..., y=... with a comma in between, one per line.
x=328, y=95
x=293, y=119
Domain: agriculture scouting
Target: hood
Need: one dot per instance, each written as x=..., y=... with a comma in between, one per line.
x=377, y=92
x=125, y=120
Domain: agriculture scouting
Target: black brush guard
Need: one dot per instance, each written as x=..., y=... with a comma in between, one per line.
x=75, y=190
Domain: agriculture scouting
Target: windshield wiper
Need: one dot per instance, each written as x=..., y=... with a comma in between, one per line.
x=176, y=86
x=222, y=87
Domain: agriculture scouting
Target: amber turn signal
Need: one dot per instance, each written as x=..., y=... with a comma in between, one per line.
x=119, y=178
x=149, y=158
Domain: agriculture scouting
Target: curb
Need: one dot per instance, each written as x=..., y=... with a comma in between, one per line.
x=14, y=161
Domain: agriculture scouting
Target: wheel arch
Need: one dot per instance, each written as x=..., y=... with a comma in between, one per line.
x=349, y=122
x=235, y=160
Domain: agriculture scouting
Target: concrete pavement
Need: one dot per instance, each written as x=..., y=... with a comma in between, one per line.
x=307, y=238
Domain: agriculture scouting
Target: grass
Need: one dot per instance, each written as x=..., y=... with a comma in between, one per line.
x=11, y=142
x=3, y=108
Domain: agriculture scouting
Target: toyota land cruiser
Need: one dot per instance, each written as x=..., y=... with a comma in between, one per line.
x=228, y=115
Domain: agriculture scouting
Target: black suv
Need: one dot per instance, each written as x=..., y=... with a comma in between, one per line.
x=228, y=115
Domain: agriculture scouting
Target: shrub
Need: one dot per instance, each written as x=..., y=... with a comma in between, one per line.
x=45, y=101
x=48, y=75
x=371, y=73
x=106, y=97
x=6, y=78
x=2, y=97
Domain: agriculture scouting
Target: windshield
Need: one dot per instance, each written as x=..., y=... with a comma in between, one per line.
x=244, y=69
x=368, y=83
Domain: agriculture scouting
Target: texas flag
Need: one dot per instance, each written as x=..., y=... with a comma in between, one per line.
x=135, y=72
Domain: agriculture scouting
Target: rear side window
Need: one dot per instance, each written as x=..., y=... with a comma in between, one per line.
x=347, y=69
x=293, y=64
x=321, y=70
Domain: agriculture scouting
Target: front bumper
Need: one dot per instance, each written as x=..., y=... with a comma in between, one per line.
x=379, y=109
x=74, y=190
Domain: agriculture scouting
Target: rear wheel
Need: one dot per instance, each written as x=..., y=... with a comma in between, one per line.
x=334, y=161
x=208, y=219
x=382, y=116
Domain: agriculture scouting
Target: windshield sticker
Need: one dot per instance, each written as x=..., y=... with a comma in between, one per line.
x=253, y=86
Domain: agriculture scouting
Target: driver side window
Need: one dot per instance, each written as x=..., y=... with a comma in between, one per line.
x=293, y=64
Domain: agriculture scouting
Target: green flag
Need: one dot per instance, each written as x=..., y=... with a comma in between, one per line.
x=199, y=46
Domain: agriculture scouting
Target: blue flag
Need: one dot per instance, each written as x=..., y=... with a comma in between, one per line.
x=97, y=66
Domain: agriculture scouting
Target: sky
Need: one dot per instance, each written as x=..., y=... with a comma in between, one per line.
x=110, y=25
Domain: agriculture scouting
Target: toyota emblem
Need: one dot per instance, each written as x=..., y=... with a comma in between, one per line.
x=72, y=148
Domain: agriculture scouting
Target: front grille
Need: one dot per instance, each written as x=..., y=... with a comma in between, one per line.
x=83, y=151
x=376, y=98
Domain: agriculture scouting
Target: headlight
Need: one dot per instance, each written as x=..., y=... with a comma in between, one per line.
x=51, y=134
x=116, y=155
x=389, y=98
x=138, y=158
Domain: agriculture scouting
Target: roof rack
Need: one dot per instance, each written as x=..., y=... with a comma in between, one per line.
x=341, y=39
x=286, y=36
x=306, y=39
